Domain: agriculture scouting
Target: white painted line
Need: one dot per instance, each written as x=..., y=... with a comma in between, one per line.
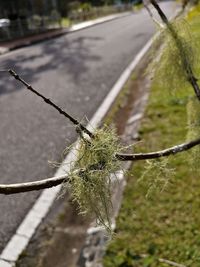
x=41, y=207
x=27, y=227
x=14, y=248
x=5, y=264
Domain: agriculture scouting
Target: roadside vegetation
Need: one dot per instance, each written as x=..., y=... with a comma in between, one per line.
x=158, y=224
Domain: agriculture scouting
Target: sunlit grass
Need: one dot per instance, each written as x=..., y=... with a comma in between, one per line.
x=165, y=222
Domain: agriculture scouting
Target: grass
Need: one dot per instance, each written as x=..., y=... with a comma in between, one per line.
x=159, y=216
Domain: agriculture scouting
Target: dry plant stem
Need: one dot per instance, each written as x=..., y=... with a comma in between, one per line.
x=190, y=76
x=48, y=101
x=172, y=263
x=158, y=154
x=8, y=189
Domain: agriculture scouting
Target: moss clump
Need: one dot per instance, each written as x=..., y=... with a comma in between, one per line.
x=90, y=179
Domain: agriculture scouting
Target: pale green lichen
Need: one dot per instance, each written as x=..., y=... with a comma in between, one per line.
x=90, y=177
x=156, y=175
x=178, y=57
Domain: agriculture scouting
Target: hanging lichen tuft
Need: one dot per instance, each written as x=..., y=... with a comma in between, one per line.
x=90, y=180
x=156, y=176
x=179, y=60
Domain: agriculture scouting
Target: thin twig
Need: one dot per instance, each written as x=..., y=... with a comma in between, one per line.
x=190, y=75
x=152, y=16
x=158, y=154
x=48, y=101
x=8, y=189
x=120, y=156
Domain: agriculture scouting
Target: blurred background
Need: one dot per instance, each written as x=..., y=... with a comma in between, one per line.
x=19, y=18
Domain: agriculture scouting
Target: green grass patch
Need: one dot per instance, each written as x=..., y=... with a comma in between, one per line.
x=159, y=216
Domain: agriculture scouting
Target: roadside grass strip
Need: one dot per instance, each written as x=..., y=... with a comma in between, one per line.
x=159, y=220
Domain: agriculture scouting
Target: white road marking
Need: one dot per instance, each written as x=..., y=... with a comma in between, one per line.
x=5, y=264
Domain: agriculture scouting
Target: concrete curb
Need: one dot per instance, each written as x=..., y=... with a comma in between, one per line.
x=73, y=28
x=91, y=23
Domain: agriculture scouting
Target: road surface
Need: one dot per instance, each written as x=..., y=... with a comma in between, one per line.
x=76, y=71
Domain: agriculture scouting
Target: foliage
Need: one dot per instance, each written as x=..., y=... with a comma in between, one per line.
x=194, y=12
x=36, y=20
x=55, y=16
x=86, y=7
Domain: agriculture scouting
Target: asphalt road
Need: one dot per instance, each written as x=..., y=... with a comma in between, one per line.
x=76, y=71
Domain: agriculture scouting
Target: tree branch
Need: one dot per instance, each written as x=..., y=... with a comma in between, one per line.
x=152, y=16
x=158, y=154
x=8, y=189
x=48, y=101
x=186, y=64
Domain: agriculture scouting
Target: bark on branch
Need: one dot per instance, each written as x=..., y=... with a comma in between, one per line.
x=158, y=154
x=49, y=102
x=50, y=182
x=8, y=189
x=152, y=16
x=119, y=156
